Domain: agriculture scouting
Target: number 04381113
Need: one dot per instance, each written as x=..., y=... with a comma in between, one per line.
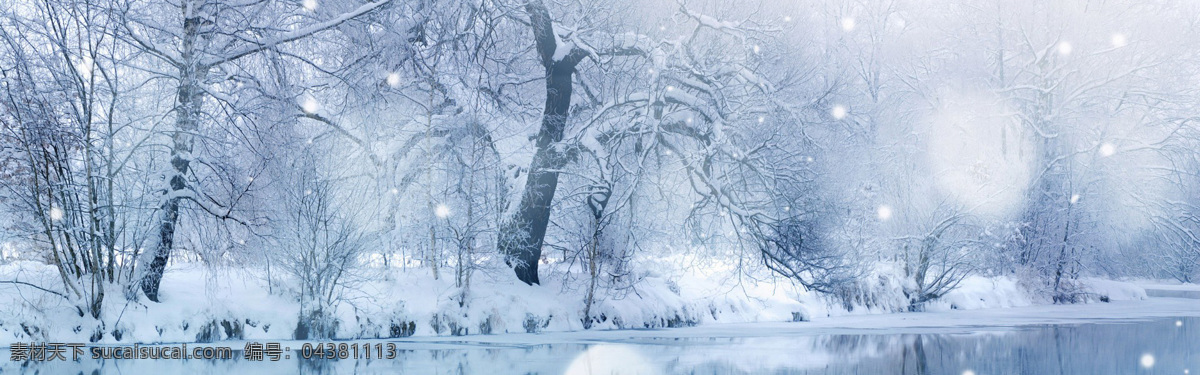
x=330, y=350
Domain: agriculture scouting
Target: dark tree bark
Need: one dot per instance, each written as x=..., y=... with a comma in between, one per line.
x=521, y=240
x=187, y=112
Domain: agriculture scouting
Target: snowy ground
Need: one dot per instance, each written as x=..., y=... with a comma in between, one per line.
x=1121, y=337
x=1172, y=290
x=199, y=305
x=939, y=322
x=740, y=327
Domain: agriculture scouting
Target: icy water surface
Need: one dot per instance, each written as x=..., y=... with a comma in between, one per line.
x=1155, y=346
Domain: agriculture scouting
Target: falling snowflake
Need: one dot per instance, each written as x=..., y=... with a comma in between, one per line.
x=1064, y=48
x=393, y=79
x=968, y=372
x=787, y=18
x=56, y=214
x=85, y=68
x=309, y=5
x=1147, y=360
x=1119, y=40
x=309, y=104
x=395, y=191
x=756, y=49
x=884, y=212
x=838, y=112
x=1107, y=149
x=441, y=211
x=761, y=119
x=848, y=23
x=1075, y=199
x=1179, y=323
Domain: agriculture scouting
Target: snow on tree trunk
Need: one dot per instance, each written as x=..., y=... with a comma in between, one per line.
x=521, y=240
x=187, y=111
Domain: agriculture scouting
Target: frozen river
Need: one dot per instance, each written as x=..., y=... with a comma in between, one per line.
x=1155, y=336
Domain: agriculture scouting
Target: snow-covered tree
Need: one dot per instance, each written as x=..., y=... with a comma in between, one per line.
x=193, y=43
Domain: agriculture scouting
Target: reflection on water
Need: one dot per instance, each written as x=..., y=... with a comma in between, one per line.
x=1169, y=346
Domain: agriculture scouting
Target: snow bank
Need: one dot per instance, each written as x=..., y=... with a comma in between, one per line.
x=977, y=292
x=199, y=305
x=1109, y=290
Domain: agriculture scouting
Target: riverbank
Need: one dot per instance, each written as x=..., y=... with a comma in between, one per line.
x=202, y=305
x=929, y=322
x=1156, y=335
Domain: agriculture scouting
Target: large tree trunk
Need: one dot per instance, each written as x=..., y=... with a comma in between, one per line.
x=189, y=98
x=521, y=240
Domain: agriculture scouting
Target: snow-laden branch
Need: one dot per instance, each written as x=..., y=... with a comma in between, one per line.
x=293, y=35
x=552, y=47
x=702, y=20
x=346, y=133
x=215, y=212
x=22, y=283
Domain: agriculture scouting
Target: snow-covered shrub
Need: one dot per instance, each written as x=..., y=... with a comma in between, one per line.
x=793, y=248
x=319, y=246
x=936, y=261
x=881, y=289
x=73, y=191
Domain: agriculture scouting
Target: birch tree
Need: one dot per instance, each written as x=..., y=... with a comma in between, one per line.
x=189, y=43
